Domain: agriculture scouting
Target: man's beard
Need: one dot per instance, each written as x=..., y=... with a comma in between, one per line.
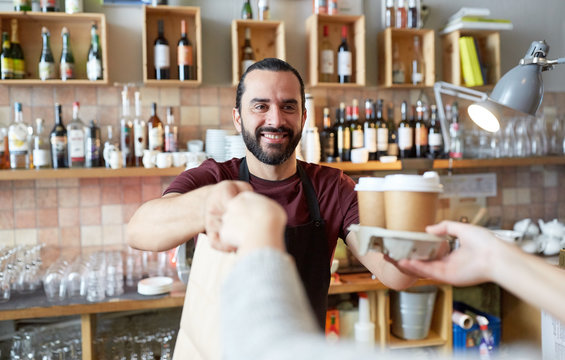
x=279, y=153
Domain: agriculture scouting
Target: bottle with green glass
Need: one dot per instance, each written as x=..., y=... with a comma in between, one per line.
x=67, y=62
x=246, y=11
x=22, y=5
x=18, y=62
x=94, y=59
x=46, y=61
x=7, y=64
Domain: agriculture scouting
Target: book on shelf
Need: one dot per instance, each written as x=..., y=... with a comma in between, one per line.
x=477, y=23
x=470, y=66
x=469, y=11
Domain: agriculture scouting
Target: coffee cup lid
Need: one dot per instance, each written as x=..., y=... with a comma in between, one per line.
x=429, y=182
x=370, y=184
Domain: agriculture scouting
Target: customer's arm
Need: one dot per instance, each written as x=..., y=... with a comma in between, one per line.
x=483, y=257
x=165, y=223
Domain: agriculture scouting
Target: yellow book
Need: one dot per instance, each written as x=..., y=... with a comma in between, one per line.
x=470, y=66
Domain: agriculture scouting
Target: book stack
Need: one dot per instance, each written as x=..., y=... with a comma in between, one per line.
x=471, y=65
x=468, y=18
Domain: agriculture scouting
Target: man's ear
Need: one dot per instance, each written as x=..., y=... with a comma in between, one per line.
x=236, y=118
x=304, y=116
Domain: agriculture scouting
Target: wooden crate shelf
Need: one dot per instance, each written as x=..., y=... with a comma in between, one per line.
x=267, y=40
x=29, y=33
x=355, y=38
x=171, y=16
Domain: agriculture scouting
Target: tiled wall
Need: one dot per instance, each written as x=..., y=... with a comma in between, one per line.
x=75, y=213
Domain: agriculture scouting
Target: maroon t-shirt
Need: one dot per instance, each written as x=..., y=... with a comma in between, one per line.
x=335, y=192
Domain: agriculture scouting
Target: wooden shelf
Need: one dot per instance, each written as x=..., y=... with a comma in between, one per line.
x=433, y=339
x=506, y=162
x=29, y=31
x=352, y=283
x=86, y=173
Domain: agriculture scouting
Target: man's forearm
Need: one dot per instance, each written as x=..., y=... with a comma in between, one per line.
x=165, y=223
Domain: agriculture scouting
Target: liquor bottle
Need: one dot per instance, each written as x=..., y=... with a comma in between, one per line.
x=185, y=57
x=58, y=141
x=392, y=149
x=320, y=6
x=75, y=131
x=73, y=6
x=456, y=142
x=41, y=150
x=110, y=143
x=328, y=139
x=343, y=135
x=389, y=14
x=246, y=11
x=139, y=132
x=171, y=132
x=382, y=131
x=401, y=15
x=405, y=133
x=355, y=125
x=4, y=149
x=126, y=132
x=420, y=132
x=412, y=15
x=326, y=58
x=333, y=7
x=263, y=10
x=48, y=5
x=67, y=62
x=94, y=60
x=247, y=55
x=92, y=145
x=435, y=137
x=22, y=5
x=154, y=130
x=17, y=53
x=344, y=58
x=18, y=140
x=161, y=60
x=417, y=63
x=46, y=61
x=6, y=62
x=398, y=71
x=370, y=129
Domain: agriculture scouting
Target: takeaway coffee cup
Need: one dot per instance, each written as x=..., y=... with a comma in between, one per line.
x=371, y=201
x=411, y=201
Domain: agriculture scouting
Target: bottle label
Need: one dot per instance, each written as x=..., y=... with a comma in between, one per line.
x=67, y=71
x=46, y=70
x=59, y=144
x=356, y=139
x=421, y=136
x=371, y=139
x=94, y=69
x=435, y=139
x=245, y=64
x=417, y=78
x=327, y=59
x=19, y=70
x=329, y=146
x=184, y=55
x=76, y=145
x=382, y=139
x=170, y=143
x=346, y=139
x=156, y=138
x=17, y=138
x=92, y=147
x=344, y=63
x=41, y=157
x=7, y=68
x=340, y=139
x=392, y=149
x=405, y=140
x=140, y=138
x=398, y=77
x=161, y=58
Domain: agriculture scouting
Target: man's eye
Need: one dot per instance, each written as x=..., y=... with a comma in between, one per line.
x=289, y=108
x=260, y=107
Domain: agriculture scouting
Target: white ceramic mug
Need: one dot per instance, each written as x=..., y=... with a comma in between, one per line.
x=164, y=160
x=195, y=145
x=113, y=156
x=179, y=159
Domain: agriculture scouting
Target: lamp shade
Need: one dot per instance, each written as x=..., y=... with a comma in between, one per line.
x=520, y=89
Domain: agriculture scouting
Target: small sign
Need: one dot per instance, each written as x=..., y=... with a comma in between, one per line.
x=468, y=185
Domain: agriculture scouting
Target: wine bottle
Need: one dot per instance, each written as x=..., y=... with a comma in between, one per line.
x=344, y=58
x=456, y=143
x=185, y=57
x=4, y=149
x=126, y=132
x=18, y=62
x=401, y=15
x=92, y=146
x=246, y=10
x=46, y=61
x=343, y=135
x=263, y=7
x=398, y=71
x=435, y=137
x=392, y=149
x=326, y=58
x=48, y=5
x=355, y=125
x=370, y=130
x=405, y=133
x=328, y=139
x=18, y=140
x=154, y=130
x=41, y=152
x=22, y=5
x=247, y=55
x=420, y=132
x=75, y=133
x=6, y=62
x=67, y=62
x=139, y=132
x=111, y=143
x=389, y=14
x=171, y=132
x=417, y=63
x=382, y=131
x=94, y=60
x=161, y=59
x=58, y=141
x=412, y=15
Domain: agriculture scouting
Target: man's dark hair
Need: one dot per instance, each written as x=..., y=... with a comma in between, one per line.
x=270, y=64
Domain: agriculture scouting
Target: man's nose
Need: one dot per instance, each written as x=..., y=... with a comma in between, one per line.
x=274, y=117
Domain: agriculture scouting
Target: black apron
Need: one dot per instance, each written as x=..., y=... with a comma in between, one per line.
x=308, y=244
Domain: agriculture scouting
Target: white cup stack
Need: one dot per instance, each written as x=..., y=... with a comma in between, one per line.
x=216, y=144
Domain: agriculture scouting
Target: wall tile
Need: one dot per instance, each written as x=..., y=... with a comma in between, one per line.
x=109, y=96
x=169, y=96
x=90, y=215
x=48, y=236
x=68, y=217
x=129, y=210
x=189, y=96
x=112, y=234
x=46, y=197
x=65, y=95
x=6, y=219
x=149, y=95
x=111, y=214
x=66, y=183
x=90, y=195
x=550, y=211
x=68, y=197
x=24, y=198
x=47, y=217
x=550, y=178
x=6, y=200
x=7, y=238
x=150, y=192
x=25, y=236
x=89, y=182
x=536, y=179
x=24, y=184
x=550, y=194
x=91, y=235
x=111, y=195
x=537, y=195
x=25, y=218
x=523, y=179
x=5, y=96
x=523, y=196
x=209, y=96
x=509, y=196
x=131, y=194
x=209, y=116
x=87, y=95
x=21, y=94
x=227, y=96
x=110, y=181
x=46, y=183
x=537, y=211
x=189, y=115
x=70, y=237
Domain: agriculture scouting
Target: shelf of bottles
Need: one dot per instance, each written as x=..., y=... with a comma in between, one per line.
x=172, y=50
x=336, y=50
x=31, y=40
x=254, y=40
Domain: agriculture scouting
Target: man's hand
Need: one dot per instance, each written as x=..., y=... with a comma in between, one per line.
x=215, y=206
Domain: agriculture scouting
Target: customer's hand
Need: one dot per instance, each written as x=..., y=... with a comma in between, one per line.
x=470, y=264
x=215, y=206
x=252, y=221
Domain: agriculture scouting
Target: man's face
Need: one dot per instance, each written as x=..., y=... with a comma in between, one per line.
x=271, y=118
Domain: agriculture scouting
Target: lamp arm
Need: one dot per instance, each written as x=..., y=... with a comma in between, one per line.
x=543, y=62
